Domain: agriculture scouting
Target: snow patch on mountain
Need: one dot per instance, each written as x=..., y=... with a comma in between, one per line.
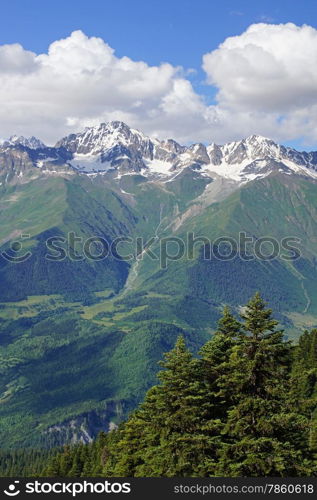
x=235, y=171
x=256, y=157
x=41, y=163
x=116, y=147
x=89, y=163
x=157, y=166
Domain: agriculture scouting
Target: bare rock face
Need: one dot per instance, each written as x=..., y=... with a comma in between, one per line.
x=85, y=427
x=115, y=146
x=117, y=149
x=109, y=145
x=215, y=154
x=20, y=164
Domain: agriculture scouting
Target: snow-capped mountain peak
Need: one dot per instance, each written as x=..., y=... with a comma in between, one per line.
x=254, y=147
x=28, y=142
x=98, y=139
x=257, y=156
x=114, y=145
x=105, y=146
x=117, y=148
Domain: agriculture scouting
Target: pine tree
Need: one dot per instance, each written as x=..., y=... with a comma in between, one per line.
x=238, y=410
x=77, y=465
x=124, y=452
x=171, y=434
x=215, y=355
x=66, y=461
x=53, y=468
x=259, y=426
x=98, y=454
x=258, y=318
x=228, y=325
x=304, y=383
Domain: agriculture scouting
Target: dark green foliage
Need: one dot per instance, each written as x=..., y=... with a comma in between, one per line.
x=55, y=368
x=304, y=382
x=26, y=462
x=262, y=430
x=236, y=410
x=233, y=280
x=172, y=433
x=79, y=461
x=57, y=208
x=73, y=279
x=108, y=354
x=214, y=364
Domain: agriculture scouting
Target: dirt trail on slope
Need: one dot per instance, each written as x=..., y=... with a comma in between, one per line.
x=307, y=298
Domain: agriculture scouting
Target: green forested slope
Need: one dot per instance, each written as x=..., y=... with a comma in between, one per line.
x=244, y=407
x=79, y=349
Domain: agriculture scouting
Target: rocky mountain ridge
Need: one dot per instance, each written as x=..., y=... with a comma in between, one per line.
x=114, y=148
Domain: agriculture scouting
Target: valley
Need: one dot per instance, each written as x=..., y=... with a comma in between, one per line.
x=82, y=336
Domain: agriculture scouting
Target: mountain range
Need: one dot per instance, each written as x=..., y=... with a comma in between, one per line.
x=80, y=338
x=115, y=148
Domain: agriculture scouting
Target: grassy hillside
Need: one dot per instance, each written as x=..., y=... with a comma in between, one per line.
x=271, y=207
x=80, y=341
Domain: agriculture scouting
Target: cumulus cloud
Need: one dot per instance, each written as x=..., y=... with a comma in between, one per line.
x=266, y=80
x=14, y=59
x=81, y=82
x=269, y=75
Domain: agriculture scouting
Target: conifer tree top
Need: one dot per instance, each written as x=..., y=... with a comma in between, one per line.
x=257, y=318
x=228, y=325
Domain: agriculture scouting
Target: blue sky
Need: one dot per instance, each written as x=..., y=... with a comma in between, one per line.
x=179, y=32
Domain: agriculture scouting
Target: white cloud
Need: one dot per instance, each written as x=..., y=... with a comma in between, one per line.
x=266, y=80
x=269, y=67
x=81, y=82
x=269, y=75
x=14, y=59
